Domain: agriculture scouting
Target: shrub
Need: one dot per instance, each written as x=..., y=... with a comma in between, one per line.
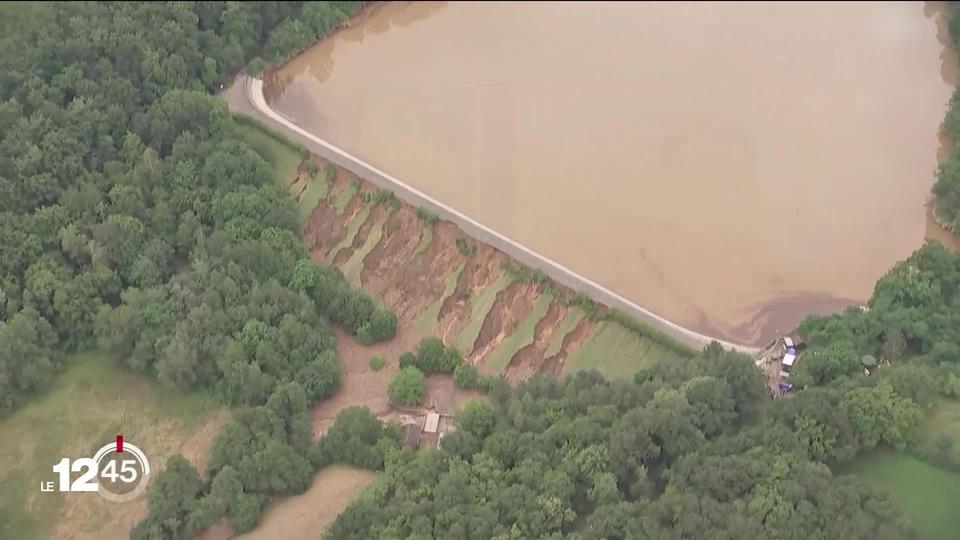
x=330, y=172
x=408, y=386
x=464, y=248
x=408, y=359
x=377, y=362
x=383, y=325
x=426, y=216
x=465, y=376
x=382, y=196
x=489, y=383
x=256, y=66
x=312, y=169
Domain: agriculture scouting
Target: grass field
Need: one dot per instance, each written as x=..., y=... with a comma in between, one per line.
x=86, y=407
x=480, y=305
x=570, y=321
x=427, y=321
x=497, y=361
x=352, y=228
x=284, y=159
x=617, y=352
x=927, y=495
x=342, y=199
x=308, y=515
x=351, y=269
x=316, y=191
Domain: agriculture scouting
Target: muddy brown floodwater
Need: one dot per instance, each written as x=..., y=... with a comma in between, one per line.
x=731, y=166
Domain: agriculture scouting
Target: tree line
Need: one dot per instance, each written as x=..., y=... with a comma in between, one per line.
x=946, y=190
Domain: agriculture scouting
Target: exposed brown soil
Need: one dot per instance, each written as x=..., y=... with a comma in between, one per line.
x=529, y=359
x=419, y=281
x=376, y=213
x=511, y=307
x=443, y=397
x=480, y=271
x=360, y=384
x=571, y=342
x=326, y=229
x=401, y=236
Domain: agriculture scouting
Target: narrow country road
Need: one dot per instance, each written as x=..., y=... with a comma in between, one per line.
x=245, y=96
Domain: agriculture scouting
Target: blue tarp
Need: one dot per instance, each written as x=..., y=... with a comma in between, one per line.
x=784, y=385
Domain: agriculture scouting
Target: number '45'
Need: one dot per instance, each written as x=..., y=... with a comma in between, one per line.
x=127, y=474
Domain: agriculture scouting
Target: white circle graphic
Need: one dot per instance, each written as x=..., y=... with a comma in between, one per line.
x=144, y=466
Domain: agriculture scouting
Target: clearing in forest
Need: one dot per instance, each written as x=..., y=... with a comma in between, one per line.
x=308, y=515
x=87, y=405
x=927, y=495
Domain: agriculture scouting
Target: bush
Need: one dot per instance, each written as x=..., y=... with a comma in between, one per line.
x=382, y=196
x=408, y=386
x=312, y=169
x=377, y=362
x=383, y=325
x=489, y=383
x=408, y=359
x=256, y=66
x=465, y=376
x=426, y=216
x=329, y=172
x=464, y=248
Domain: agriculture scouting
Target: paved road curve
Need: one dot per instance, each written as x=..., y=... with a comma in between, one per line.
x=246, y=97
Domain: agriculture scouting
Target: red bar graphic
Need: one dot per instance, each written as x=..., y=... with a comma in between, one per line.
x=119, y=443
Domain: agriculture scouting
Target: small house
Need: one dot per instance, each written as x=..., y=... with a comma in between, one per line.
x=432, y=422
x=411, y=436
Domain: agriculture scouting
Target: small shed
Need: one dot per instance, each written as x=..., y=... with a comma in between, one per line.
x=432, y=422
x=411, y=436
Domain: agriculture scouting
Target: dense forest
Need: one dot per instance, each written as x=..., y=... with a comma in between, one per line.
x=134, y=219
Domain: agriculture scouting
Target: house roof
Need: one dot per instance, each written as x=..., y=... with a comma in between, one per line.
x=432, y=422
x=411, y=435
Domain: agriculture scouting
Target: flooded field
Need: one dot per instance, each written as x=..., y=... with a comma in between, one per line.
x=730, y=166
